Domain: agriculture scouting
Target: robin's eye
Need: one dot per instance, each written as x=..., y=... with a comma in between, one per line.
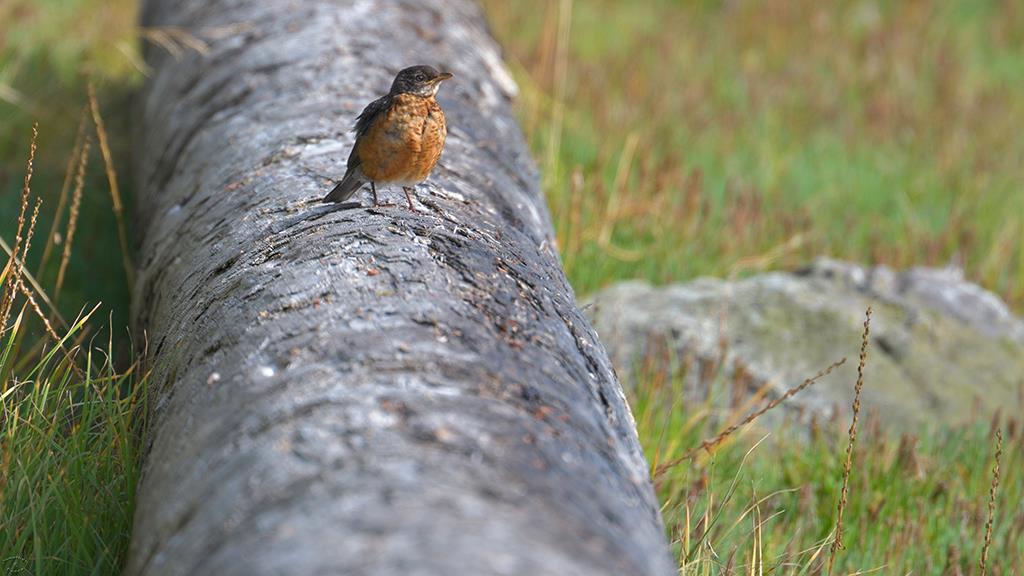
x=421, y=78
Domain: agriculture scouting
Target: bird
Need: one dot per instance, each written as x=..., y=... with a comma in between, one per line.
x=399, y=137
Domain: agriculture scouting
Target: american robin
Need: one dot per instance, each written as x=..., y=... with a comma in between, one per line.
x=399, y=137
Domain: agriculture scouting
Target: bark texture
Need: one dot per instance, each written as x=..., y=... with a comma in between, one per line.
x=364, y=391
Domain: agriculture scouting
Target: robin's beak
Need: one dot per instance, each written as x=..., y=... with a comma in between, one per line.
x=442, y=77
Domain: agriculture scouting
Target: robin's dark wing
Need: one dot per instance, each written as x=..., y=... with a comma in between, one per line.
x=370, y=113
x=365, y=119
x=352, y=180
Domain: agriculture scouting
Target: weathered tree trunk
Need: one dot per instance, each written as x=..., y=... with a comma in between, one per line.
x=365, y=391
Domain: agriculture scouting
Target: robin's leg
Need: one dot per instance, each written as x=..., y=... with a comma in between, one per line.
x=408, y=196
x=376, y=202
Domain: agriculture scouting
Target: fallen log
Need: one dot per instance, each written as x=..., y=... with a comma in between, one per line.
x=369, y=390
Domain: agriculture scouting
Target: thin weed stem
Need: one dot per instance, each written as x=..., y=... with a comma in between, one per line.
x=65, y=189
x=30, y=234
x=27, y=292
x=115, y=192
x=993, y=489
x=76, y=203
x=13, y=266
x=837, y=542
x=710, y=444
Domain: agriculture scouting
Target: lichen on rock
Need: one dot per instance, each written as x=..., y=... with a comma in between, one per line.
x=942, y=349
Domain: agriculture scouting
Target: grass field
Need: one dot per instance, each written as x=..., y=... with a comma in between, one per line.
x=764, y=504
x=676, y=139
x=687, y=138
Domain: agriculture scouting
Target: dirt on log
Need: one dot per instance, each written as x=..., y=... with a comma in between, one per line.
x=362, y=391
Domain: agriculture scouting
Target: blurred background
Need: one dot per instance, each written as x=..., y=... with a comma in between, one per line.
x=701, y=134
x=49, y=51
x=676, y=139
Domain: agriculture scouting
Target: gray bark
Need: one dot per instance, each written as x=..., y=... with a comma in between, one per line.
x=365, y=391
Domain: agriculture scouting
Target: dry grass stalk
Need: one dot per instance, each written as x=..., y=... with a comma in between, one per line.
x=837, y=543
x=76, y=203
x=27, y=292
x=30, y=234
x=30, y=298
x=19, y=262
x=174, y=40
x=574, y=234
x=18, y=270
x=65, y=189
x=953, y=561
x=115, y=192
x=982, y=563
x=13, y=267
x=560, y=78
x=710, y=444
x=611, y=211
x=18, y=273
x=34, y=283
x=757, y=552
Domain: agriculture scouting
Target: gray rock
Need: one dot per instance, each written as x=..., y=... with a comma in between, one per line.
x=942, y=349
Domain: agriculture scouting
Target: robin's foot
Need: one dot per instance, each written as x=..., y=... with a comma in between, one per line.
x=376, y=202
x=408, y=197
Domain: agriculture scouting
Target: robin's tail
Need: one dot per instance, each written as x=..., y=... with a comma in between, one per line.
x=348, y=186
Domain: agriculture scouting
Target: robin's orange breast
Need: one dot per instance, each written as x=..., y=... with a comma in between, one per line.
x=404, y=142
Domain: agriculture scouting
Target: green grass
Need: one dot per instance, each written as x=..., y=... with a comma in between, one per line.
x=69, y=446
x=769, y=132
x=676, y=139
x=917, y=504
x=68, y=457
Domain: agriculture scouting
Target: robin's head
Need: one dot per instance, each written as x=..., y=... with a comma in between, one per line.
x=419, y=80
